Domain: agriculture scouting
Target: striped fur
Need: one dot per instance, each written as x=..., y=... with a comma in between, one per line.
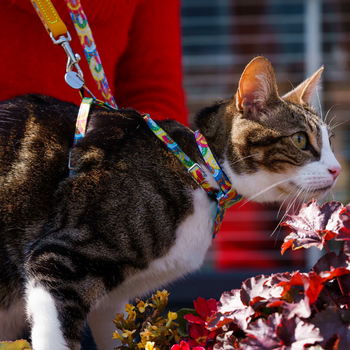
x=132, y=219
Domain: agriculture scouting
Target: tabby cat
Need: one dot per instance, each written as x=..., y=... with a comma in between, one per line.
x=132, y=219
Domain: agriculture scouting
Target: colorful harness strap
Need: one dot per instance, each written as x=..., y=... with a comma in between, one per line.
x=226, y=196
x=87, y=42
x=80, y=128
x=193, y=168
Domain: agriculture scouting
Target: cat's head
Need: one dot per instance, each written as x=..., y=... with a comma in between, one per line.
x=271, y=147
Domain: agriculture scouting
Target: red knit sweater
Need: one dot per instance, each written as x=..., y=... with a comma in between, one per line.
x=139, y=45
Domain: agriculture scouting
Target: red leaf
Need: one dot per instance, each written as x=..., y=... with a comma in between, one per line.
x=256, y=291
x=261, y=334
x=312, y=283
x=344, y=232
x=286, y=245
x=279, y=333
x=205, y=309
x=296, y=280
x=297, y=333
x=315, y=225
x=194, y=319
x=331, y=262
x=231, y=309
x=331, y=323
x=300, y=308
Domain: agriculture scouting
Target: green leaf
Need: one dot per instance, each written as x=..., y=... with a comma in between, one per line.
x=182, y=322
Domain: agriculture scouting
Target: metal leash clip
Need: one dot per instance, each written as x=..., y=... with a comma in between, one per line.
x=73, y=79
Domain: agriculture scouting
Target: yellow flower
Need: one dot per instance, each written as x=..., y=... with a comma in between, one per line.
x=149, y=345
x=142, y=306
x=116, y=335
x=119, y=318
x=127, y=333
x=155, y=328
x=177, y=336
x=129, y=307
x=162, y=295
x=132, y=316
x=146, y=333
x=172, y=316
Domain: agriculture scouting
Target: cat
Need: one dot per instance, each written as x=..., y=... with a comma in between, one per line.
x=132, y=219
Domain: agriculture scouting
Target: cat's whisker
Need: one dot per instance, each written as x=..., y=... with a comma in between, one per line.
x=294, y=200
x=302, y=200
x=338, y=124
x=332, y=195
x=280, y=208
x=330, y=122
x=285, y=214
x=268, y=188
x=325, y=118
x=252, y=155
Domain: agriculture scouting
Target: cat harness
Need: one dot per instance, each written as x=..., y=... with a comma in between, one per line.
x=225, y=196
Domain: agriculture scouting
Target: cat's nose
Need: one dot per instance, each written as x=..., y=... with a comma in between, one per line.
x=335, y=171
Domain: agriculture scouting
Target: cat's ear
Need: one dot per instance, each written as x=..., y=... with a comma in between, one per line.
x=303, y=92
x=257, y=88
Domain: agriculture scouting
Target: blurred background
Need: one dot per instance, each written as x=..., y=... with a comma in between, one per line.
x=297, y=36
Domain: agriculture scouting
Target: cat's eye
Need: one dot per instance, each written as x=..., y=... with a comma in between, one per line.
x=300, y=140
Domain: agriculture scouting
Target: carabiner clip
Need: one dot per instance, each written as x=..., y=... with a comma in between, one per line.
x=73, y=79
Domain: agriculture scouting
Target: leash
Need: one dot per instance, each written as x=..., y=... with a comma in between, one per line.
x=87, y=41
x=60, y=36
x=225, y=196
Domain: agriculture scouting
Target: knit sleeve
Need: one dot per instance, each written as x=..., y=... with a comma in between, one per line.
x=148, y=76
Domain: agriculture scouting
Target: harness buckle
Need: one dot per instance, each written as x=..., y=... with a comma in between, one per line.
x=197, y=173
x=73, y=79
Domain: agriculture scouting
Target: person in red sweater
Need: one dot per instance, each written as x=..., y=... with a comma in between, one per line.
x=138, y=41
x=139, y=45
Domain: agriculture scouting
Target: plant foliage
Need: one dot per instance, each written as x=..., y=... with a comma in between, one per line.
x=283, y=311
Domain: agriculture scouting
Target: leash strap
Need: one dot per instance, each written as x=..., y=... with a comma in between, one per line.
x=193, y=168
x=227, y=195
x=83, y=114
x=87, y=42
x=50, y=18
x=80, y=128
x=60, y=36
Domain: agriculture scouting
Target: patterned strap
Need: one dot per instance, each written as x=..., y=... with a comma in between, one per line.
x=87, y=41
x=193, y=168
x=227, y=195
x=80, y=127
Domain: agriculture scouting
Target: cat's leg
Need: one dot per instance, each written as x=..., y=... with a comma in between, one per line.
x=101, y=322
x=57, y=316
x=12, y=321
